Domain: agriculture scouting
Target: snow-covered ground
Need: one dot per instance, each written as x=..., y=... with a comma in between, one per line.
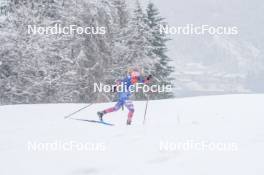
x=232, y=122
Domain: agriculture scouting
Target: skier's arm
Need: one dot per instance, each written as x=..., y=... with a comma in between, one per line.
x=118, y=82
x=145, y=80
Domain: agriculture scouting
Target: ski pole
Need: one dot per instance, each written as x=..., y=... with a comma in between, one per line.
x=146, y=108
x=77, y=111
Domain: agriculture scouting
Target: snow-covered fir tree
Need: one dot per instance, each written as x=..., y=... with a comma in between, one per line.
x=137, y=38
x=161, y=70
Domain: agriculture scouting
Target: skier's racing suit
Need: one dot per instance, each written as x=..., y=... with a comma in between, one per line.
x=123, y=97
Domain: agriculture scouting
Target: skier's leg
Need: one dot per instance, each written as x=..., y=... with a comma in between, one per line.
x=112, y=109
x=129, y=105
x=117, y=106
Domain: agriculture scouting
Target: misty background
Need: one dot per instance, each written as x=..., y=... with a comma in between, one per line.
x=221, y=64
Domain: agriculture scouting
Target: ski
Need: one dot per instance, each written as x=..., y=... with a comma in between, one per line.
x=94, y=121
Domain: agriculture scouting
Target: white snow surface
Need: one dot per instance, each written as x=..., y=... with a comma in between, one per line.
x=136, y=149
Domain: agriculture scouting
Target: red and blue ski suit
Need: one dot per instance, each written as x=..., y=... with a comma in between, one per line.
x=123, y=97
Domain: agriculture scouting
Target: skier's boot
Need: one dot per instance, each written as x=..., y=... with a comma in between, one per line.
x=100, y=115
x=129, y=121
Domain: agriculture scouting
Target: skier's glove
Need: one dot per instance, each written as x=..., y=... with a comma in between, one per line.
x=149, y=77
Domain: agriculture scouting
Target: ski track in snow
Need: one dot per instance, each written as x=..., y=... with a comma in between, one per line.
x=135, y=149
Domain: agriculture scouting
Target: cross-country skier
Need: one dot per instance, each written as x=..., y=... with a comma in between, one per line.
x=132, y=78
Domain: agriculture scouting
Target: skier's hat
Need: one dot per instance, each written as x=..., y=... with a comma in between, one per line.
x=134, y=71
